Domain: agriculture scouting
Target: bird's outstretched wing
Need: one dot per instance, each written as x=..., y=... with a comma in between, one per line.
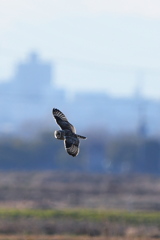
x=62, y=121
x=72, y=146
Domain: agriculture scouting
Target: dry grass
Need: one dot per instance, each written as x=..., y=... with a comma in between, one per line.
x=69, y=190
x=57, y=190
x=67, y=237
x=79, y=222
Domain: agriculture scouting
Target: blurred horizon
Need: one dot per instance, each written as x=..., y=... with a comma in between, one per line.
x=99, y=63
x=123, y=134
x=100, y=46
x=32, y=92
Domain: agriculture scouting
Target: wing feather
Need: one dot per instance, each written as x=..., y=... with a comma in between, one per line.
x=72, y=146
x=62, y=121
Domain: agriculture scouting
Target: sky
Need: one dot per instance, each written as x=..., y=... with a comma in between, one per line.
x=110, y=46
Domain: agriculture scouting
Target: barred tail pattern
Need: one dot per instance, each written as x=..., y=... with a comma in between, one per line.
x=82, y=137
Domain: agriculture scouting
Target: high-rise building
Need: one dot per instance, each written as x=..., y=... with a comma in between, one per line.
x=33, y=77
x=27, y=94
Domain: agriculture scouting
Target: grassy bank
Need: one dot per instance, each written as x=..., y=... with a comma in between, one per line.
x=69, y=237
x=85, y=215
x=79, y=222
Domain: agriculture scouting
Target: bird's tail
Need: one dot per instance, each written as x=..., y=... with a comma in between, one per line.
x=82, y=137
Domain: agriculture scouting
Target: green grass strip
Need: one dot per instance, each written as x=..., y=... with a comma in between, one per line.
x=84, y=214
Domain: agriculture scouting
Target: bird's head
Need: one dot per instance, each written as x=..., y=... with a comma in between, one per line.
x=59, y=134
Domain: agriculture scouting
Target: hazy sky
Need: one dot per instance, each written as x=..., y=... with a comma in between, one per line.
x=97, y=45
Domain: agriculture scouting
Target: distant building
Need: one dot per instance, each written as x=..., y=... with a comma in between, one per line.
x=97, y=157
x=142, y=129
x=142, y=120
x=33, y=77
x=30, y=95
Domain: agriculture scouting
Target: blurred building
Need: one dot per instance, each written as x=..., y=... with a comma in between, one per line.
x=33, y=77
x=31, y=93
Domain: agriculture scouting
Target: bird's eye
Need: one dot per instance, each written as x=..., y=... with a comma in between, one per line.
x=56, y=134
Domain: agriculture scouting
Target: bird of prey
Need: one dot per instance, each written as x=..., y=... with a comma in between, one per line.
x=68, y=133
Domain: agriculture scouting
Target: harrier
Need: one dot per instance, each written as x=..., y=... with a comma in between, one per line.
x=68, y=133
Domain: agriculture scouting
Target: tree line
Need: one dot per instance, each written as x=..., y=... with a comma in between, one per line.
x=118, y=154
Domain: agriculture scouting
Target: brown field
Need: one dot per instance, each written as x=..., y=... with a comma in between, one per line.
x=57, y=190
x=74, y=190
x=59, y=237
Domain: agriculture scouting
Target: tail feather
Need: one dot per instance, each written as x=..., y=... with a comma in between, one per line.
x=82, y=137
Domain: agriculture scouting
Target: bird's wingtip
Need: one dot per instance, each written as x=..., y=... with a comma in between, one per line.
x=54, y=110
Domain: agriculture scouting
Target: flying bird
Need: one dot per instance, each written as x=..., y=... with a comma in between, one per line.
x=68, y=133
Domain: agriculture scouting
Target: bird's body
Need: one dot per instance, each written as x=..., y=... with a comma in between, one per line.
x=68, y=133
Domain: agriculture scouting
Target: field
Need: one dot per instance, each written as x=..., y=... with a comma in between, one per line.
x=66, y=206
x=59, y=237
x=89, y=222
x=48, y=190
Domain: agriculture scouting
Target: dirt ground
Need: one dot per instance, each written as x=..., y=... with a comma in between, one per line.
x=59, y=237
x=58, y=190
x=75, y=190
